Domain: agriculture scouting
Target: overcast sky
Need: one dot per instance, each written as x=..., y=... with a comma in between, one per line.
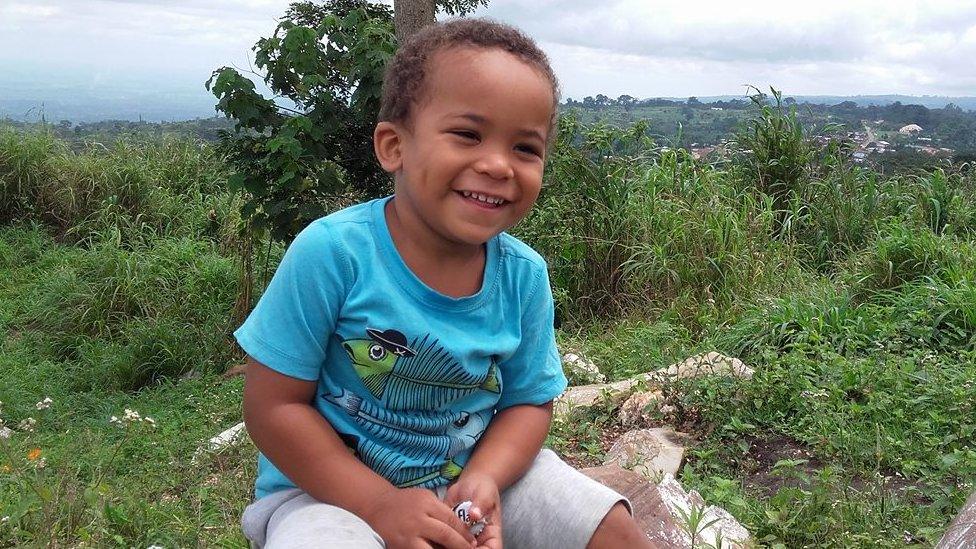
x=644, y=48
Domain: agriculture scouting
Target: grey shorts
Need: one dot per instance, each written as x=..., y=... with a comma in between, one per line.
x=552, y=505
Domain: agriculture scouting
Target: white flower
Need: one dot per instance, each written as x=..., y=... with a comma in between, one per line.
x=4, y=519
x=44, y=404
x=5, y=432
x=154, y=546
x=41, y=463
x=27, y=425
x=131, y=416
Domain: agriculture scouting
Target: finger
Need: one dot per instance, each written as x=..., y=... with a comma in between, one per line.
x=456, y=494
x=486, y=506
x=491, y=537
x=444, y=535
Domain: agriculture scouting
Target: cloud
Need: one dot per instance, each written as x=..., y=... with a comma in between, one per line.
x=836, y=47
x=643, y=48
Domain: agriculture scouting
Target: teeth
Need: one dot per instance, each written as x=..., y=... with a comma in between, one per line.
x=482, y=197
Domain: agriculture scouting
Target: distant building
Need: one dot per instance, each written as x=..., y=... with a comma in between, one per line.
x=910, y=129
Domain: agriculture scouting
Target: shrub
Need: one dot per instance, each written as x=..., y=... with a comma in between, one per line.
x=132, y=316
x=132, y=191
x=901, y=253
x=627, y=226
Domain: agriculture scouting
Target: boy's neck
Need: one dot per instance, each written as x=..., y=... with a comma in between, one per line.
x=453, y=269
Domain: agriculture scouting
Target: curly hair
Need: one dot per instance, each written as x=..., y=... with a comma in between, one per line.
x=403, y=82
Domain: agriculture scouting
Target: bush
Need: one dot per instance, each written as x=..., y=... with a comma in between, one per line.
x=901, y=253
x=627, y=226
x=133, y=191
x=132, y=316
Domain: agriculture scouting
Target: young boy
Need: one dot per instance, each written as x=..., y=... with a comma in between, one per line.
x=403, y=360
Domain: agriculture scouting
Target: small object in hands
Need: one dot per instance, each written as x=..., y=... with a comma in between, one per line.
x=475, y=527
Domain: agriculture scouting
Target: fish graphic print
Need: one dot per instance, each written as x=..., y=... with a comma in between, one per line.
x=408, y=431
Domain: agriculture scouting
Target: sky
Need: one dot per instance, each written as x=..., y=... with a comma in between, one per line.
x=642, y=48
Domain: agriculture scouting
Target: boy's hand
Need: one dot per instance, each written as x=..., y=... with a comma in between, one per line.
x=413, y=518
x=482, y=491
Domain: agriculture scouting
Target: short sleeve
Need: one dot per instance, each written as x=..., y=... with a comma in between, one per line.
x=534, y=373
x=289, y=329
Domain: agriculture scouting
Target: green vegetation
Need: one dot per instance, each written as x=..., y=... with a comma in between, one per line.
x=852, y=295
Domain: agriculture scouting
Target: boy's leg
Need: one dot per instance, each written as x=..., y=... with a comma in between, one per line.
x=618, y=529
x=554, y=505
x=294, y=519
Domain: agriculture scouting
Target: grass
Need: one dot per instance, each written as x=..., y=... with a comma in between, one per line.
x=850, y=294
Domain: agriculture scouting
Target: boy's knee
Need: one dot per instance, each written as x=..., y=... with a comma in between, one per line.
x=618, y=529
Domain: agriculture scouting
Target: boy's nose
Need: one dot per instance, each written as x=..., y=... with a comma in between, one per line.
x=496, y=166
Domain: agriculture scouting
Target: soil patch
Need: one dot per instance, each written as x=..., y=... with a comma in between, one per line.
x=799, y=466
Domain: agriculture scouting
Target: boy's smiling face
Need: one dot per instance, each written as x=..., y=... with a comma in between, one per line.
x=468, y=164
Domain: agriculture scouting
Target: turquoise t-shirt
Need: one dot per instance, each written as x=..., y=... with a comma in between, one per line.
x=409, y=377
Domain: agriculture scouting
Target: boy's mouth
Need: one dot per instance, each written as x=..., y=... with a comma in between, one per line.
x=483, y=200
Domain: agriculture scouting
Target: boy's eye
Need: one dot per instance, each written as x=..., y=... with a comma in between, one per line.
x=466, y=134
x=530, y=149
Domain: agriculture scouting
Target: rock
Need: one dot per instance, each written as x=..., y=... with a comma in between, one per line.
x=656, y=510
x=962, y=531
x=650, y=453
x=705, y=364
x=581, y=371
x=723, y=525
x=634, y=410
x=650, y=512
x=588, y=395
x=228, y=437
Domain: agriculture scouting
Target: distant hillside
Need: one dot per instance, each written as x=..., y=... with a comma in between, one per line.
x=928, y=101
x=878, y=133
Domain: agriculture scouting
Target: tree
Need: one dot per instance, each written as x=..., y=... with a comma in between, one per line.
x=412, y=15
x=296, y=153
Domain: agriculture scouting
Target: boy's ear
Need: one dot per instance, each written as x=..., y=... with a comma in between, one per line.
x=386, y=146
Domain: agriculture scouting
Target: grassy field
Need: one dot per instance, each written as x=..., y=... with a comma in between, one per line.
x=852, y=296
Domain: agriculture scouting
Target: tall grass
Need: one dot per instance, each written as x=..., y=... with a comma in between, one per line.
x=173, y=187
x=627, y=225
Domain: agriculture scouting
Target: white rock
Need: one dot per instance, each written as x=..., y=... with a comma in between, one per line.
x=581, y=371
x=681, y=504
x=634, y=410
x=228, y=437
x=588, y=395
x=650, y=453
x=705, y=364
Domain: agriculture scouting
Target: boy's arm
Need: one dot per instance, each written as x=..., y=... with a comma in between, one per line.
x=305, y=447
x=301, y=443
x=510, y=444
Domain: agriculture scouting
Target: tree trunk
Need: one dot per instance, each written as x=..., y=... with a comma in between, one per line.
x=409, y=16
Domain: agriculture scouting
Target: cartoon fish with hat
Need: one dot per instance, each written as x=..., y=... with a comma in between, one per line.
x=421, y=375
